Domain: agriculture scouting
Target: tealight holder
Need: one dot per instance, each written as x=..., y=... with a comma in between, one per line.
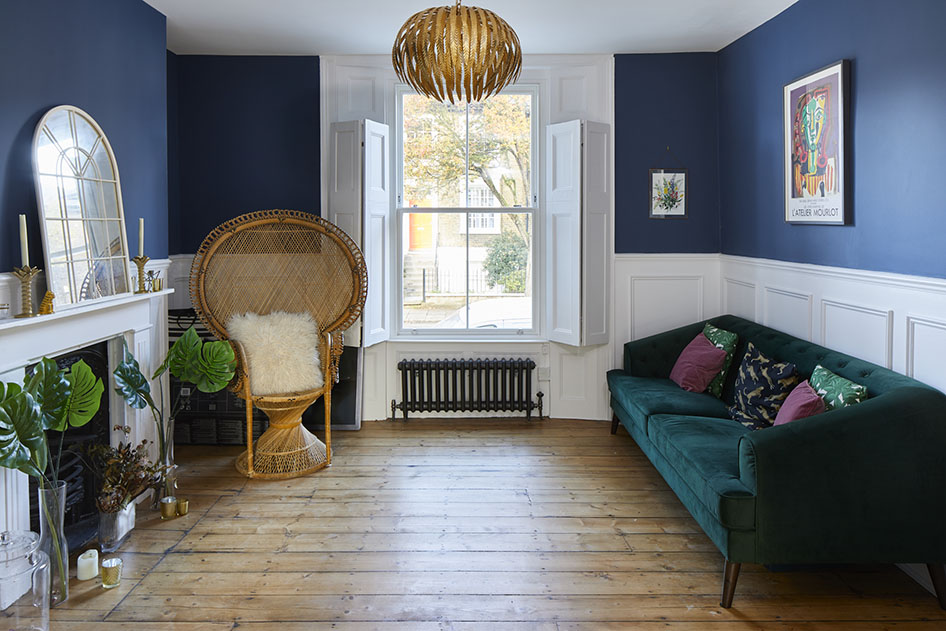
x=141, y=261
x=182, y=506
x=168, y=507
x=111, y=572
x=26, y=275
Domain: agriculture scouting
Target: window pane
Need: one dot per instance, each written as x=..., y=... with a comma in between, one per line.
x=501, y=273
x=433, y=270
x=434, y=148
x=436, y=274
x=501, y=151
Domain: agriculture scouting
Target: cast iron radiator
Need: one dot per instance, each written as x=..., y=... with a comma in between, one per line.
x=466, y=385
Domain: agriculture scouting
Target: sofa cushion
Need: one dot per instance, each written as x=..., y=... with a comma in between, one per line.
x=727, y=341
x=644, y=396
x=835, y=390
x=761, y=387
x=698, y=364
x=704, y=452
x=801, y=403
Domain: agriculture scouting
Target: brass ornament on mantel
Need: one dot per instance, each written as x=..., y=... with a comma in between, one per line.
x=457, y=53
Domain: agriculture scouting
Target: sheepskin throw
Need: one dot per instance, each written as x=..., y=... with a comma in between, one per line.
x=282, y=350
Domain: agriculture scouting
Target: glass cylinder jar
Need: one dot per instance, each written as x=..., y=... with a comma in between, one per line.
x=114, y=528
x=166, y=485
x=24, y=583
x=52, y=539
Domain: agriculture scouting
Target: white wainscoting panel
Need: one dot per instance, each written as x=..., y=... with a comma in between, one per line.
x=739, y=298
x=926, y=350
x=788, y=310
x=657, y=292
x=857, y=330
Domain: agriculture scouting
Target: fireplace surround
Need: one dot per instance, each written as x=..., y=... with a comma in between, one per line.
x=138, y=320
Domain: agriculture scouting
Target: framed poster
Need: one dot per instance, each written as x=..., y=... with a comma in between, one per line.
x=668, y=193
x=815, y=121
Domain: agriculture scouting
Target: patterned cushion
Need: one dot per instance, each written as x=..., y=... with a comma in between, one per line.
x=727, y=341
x=836, y=391
x=762, y=386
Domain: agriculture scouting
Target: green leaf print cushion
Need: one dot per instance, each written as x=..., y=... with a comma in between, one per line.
x=725, y=340
x=836, y=391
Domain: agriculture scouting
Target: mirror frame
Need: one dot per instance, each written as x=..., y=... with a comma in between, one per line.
x=69, y=260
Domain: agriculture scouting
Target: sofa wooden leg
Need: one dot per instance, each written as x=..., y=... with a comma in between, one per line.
x=615, y=421
x=938, y=576
x=730, y=576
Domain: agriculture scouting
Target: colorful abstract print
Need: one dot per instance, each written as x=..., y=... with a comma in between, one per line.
x=814, y=141
x=762, y=385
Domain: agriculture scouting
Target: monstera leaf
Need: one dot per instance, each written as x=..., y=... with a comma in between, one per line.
x=22, y=438
x=207, y=365
x=131, y=384
x=183, y=357
x=85, y=395
x=217, y=364
x=50, y=389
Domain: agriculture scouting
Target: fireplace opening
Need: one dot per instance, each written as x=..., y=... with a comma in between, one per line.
x=81, y=518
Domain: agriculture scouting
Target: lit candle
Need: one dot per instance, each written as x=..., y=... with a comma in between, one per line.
x=24, y=243
x=88, y=565
x=141, y=236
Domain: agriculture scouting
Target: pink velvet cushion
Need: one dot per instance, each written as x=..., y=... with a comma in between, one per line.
x=696, y=366
x=802, y=402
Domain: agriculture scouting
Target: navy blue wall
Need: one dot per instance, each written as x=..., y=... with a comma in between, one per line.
x=108, y=58
x=248, y=140
x=660, y=101
x=898, y=133
x=174, y=173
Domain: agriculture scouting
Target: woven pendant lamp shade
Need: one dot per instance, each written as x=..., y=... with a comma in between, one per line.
x=457, y=53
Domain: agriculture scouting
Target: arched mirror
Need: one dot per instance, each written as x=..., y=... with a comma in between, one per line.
x=80, y=208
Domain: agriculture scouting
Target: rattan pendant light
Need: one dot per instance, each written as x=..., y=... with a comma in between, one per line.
x=457, y=53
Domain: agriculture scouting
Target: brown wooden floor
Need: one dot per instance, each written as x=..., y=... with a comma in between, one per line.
x=463, y=525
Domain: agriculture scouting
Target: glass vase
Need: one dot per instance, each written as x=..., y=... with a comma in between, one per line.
x=166, y=485
x=114, y=528
x=52, y=539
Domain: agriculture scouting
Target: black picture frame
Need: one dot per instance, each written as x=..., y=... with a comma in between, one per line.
x=655, y=179
x=816, y=147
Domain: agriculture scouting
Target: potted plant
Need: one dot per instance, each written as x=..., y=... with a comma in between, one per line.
x=123, y=473
x=50, y=399
x=209, y=366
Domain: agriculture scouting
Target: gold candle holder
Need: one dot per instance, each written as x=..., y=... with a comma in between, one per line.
x=182, y=506
x=141, y=261
x=111, y=572
x=26, y=275
x=168, y=507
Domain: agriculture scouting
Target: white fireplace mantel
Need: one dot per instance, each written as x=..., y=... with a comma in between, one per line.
x=138, y=320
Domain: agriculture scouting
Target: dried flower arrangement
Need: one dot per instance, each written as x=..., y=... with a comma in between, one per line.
x=123, y=472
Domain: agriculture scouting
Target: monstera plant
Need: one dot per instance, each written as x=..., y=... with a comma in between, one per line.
x=209, y=366
x=50, y=399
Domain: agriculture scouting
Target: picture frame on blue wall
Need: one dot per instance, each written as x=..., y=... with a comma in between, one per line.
x=815, y=118
x=668, y=193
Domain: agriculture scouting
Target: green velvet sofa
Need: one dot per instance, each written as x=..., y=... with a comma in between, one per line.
x=862, y=484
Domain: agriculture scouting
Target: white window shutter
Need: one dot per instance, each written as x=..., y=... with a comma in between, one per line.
x=563, y=229
x=377, y=231
x=360, y=204
x=595, y=234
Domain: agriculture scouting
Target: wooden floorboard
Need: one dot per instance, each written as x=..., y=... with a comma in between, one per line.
x=472, y=525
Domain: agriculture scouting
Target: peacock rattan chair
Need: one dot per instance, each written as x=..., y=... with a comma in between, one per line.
x=281, y=260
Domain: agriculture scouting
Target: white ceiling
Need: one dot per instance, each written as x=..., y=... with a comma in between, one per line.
x=320, y=27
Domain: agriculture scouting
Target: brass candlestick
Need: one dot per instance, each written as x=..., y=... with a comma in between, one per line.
x=26, y=274
x=141, y=261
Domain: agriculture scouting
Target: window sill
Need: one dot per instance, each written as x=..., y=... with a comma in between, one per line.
x=511, y=339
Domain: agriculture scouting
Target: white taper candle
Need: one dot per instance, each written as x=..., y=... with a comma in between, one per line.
x=24, y=243
x=141, y=236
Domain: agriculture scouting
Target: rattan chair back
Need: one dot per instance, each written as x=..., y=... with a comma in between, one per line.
x=279, y=260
